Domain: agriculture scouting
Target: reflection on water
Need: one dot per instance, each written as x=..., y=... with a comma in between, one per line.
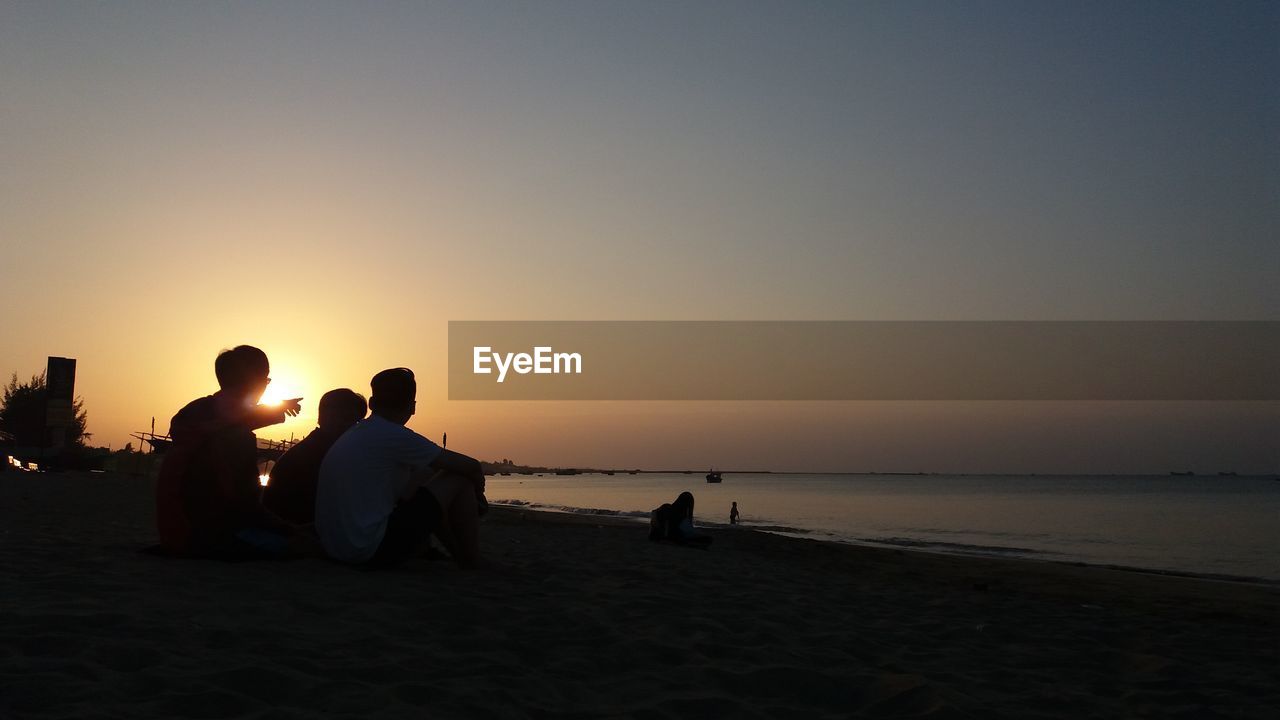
x=1208, y=525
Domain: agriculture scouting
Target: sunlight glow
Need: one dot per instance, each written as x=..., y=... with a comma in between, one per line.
x=283, y=387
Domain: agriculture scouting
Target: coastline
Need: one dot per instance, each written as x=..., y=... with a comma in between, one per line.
x=629, y=519
x=583, y=616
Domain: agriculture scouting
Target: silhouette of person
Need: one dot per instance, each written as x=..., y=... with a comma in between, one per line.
x=733, y=514
x=207, y=494
x=674, y=521
x=384, y=489
x=291, y=492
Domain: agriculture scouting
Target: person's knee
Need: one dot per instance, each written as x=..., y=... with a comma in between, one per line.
x=447, y=488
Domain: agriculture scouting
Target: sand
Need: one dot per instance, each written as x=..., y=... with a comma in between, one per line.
x=585, y=618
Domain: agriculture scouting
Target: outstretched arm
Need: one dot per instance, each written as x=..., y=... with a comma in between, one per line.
x=260, y=416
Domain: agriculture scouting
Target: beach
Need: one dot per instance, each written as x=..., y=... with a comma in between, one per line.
x=582, y=617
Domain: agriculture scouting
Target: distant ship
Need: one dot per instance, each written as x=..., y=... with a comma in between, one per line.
x=713, y=476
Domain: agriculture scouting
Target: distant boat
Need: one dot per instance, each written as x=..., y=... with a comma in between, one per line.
x=713, y=476
x=1188, y=473
x=608, y=472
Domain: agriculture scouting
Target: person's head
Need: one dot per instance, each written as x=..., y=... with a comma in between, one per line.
x=341, y=408
x=683, y=504
x=394, y=394
x=243, y=371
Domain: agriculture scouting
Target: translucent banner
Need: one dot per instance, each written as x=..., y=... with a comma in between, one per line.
x=864, y=360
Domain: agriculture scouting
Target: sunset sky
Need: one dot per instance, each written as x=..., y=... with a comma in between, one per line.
x=334, y=182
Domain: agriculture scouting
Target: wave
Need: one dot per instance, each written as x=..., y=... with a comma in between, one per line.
x=953, y=547
x=644, y=515
x=602, y=512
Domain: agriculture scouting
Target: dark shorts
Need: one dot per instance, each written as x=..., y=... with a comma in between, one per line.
x=240, y=545
x=408, y=528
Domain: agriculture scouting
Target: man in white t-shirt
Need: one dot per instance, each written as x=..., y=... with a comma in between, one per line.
x=384, y=489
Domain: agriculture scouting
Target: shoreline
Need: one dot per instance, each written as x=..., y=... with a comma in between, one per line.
x=625, y=518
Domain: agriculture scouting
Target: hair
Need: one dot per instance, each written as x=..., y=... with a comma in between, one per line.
x=683, y=506
x=240, y=366
x=341, y=408
x=394, y=391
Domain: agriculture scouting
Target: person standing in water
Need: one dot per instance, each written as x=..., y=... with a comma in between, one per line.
x=733, y=514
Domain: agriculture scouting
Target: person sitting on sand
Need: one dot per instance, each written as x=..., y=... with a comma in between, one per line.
x=674, y=521
x=733, y=513
x=384, y=489
x=207, y=493
x=291, y=492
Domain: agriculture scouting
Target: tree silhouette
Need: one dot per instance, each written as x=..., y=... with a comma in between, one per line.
x=22, y=413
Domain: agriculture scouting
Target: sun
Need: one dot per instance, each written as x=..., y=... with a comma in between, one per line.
x=283, y=387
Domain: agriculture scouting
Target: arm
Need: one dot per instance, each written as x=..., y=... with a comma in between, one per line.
x=464, y=465
x=467, y=467
x=260, y=416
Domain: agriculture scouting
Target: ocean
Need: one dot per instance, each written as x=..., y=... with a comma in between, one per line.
x=1216, y=526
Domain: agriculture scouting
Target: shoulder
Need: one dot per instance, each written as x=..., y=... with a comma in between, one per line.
x=194, y=415
x=200, y=407
x=316, y=444
x=382, y=427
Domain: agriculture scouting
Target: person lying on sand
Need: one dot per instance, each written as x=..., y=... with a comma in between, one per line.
x=291, y=492
x=207, y=492
x=384, y=489
x=674, y=522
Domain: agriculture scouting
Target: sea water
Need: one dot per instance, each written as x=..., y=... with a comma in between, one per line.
x=1207, y=525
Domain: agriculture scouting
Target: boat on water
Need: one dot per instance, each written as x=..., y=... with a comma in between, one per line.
x=713, y=476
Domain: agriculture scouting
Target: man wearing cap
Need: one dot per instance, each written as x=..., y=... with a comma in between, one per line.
x=384, y=489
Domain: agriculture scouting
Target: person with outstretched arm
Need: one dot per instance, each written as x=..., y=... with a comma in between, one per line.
x=207, y=494
x=384, y=489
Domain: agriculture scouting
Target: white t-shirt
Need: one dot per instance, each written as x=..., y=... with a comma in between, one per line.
x=366, y=472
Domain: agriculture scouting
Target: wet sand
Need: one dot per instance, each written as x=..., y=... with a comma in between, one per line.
x=583, y=617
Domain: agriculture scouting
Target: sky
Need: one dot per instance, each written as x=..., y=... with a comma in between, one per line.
x=334, y=182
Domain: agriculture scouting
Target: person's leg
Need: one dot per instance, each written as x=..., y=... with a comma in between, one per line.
x=459, y=530
x=407, y=531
